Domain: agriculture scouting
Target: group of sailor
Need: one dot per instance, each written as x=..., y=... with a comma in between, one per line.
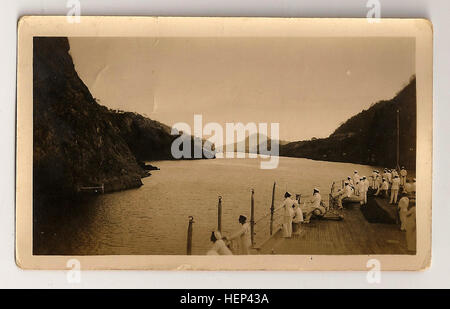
x=296, y=213
x=389, y=180
x=356, y=187
x=242, y=238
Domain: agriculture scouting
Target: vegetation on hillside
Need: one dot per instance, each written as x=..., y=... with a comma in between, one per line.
x=369, y=137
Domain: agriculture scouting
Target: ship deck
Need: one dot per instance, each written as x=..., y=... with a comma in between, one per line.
x=353, y=235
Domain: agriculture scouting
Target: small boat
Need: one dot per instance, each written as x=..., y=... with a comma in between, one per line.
x=92, y=189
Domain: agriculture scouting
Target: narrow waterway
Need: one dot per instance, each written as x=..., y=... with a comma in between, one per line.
x=154, y=218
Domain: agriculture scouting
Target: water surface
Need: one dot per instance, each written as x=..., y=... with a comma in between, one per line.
x=154, y=218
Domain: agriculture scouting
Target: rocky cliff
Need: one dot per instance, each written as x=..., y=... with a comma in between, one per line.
x=76, y=141
x=79, y=143
x=369, y=137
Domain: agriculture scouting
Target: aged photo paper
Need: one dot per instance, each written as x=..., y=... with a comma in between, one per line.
x=182, y=143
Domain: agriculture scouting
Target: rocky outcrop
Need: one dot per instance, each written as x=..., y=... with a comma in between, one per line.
x=77, y=142
x=80, y=143
x=369, y=137
x=151, y=140
x=147, y=139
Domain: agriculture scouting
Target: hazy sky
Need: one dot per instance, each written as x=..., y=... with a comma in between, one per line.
x=308, y=85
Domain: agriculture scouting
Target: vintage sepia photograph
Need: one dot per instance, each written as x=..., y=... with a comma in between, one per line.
x=208, y=145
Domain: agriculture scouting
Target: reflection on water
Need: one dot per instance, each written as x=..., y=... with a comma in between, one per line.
x=154, y=218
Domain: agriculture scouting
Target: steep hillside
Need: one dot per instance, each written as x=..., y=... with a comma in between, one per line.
x=148, y=139
x=370, y=136
x=78, y=142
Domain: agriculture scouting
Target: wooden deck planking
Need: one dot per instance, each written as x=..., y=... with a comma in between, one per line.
x=353, y=235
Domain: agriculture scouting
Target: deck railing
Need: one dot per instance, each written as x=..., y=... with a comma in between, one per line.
x=262, y=228
x=267, y=225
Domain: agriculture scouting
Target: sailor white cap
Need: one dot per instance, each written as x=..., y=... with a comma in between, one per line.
x=355, y=171
x=317, y=190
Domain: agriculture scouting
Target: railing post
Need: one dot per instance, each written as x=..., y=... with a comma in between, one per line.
x=189, y=236
x=219, y=215
x=398, y=139
x=252, y=218
x=272, y=209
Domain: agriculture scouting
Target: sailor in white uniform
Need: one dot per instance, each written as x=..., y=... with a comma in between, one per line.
x=403, y=174
x=315, y=207
x=387, y=175
x=356, y=177
x=350, y=181
x=298, y=218
x=243, y=236
x=366, y=188
x=403, y=210
x=219, y=247
x=363, y=186
x=374, y=177
x=383, y=189
x=394, y=172
x=394, y=189
x=288, y=214
x=348, y=189
x=410, y=186
x=378, y=181
x=316, y=198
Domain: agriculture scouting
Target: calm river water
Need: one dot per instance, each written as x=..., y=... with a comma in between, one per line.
x=154, y=218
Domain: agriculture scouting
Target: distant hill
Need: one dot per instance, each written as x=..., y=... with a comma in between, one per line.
x=255, y=149
x=368, y=137
x=147, y=139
